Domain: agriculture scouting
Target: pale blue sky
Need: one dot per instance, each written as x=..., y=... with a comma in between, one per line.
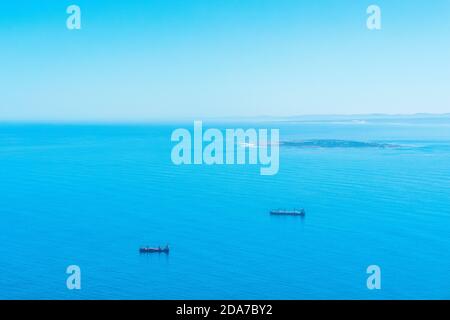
x=168, y=59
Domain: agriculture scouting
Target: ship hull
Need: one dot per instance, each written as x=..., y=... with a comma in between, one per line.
x=287, y=213
x=153, y=250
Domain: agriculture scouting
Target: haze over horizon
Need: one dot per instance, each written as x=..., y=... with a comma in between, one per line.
x=149, y=60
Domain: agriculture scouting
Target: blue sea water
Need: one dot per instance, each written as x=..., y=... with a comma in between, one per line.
x=91, y=195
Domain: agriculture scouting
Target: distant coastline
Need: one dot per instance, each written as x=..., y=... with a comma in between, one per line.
x=337, y=117
x=311, y=118
x=334, y=143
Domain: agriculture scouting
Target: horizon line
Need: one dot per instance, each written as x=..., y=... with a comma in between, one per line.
x=307, y=117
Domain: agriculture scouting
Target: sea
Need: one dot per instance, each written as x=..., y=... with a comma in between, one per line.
x=91, y=195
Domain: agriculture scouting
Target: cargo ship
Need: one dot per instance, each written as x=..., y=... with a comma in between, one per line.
x=154, y=249
x=295, y=212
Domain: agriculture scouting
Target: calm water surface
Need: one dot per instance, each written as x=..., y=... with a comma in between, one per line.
x=90, y=195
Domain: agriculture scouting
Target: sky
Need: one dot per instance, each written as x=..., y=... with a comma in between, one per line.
x=170, y=59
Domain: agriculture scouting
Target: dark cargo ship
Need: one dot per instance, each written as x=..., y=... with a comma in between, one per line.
x=294, y=212
x=154, y=249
